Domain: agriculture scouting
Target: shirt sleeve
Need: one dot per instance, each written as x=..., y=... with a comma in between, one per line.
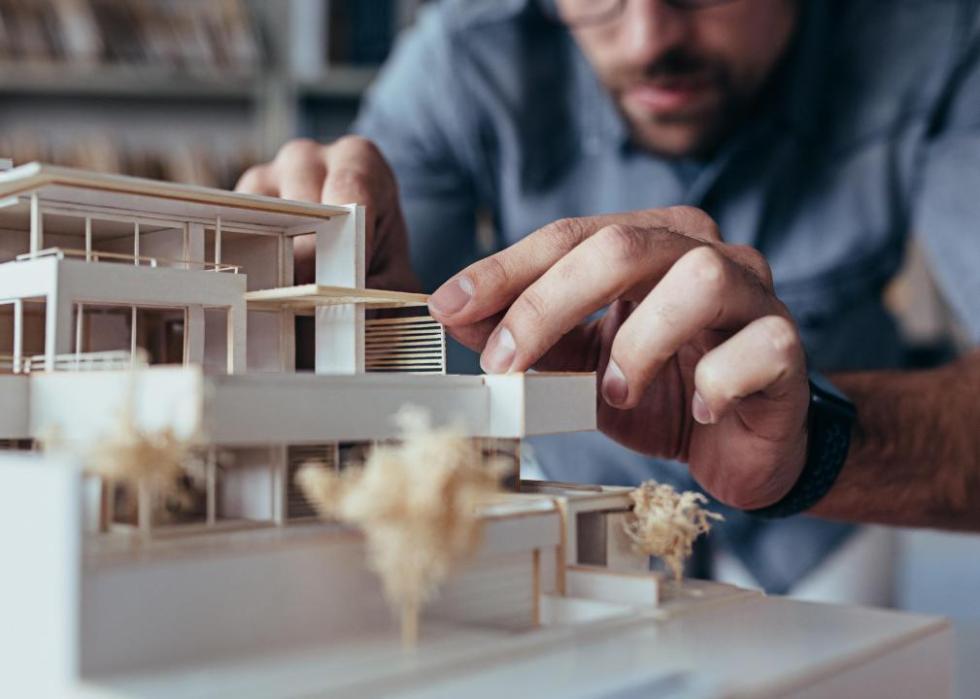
x=946, y=217
x=415, y=113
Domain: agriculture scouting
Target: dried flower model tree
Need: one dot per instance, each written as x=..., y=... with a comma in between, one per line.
x=417, y=503
x=666, y=523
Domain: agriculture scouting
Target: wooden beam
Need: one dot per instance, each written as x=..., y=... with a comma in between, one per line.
x=314, y=295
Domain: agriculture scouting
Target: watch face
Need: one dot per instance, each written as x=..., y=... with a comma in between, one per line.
x=826, y=394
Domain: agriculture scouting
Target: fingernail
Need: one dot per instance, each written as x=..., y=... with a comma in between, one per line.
x=498, y=355
x=452, y=296
x=699, y=409
x=614, y=387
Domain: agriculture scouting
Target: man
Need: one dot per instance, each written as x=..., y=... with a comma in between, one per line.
x=821, y=134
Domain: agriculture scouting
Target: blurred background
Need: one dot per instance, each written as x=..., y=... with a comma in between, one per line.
x=184, y=90
x=197, y=90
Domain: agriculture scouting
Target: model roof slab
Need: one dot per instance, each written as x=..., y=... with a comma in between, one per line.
x=258, y=409
x=82, y=189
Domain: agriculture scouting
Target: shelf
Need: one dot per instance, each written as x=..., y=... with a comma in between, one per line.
x=123, y=81
x=339, y=81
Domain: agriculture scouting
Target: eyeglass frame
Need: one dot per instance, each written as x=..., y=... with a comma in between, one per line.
x=618, y=7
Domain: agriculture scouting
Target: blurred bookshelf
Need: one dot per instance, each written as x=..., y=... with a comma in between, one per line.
x=185, y=90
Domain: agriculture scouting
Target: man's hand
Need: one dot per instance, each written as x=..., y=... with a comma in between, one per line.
x=350, y=170
x=699, y=360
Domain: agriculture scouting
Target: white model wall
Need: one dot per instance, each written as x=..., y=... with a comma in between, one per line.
x=257, y=255
x=246, y=486
x=559, y=403
x=40, y=537
x=84, y=406
x=199, y=601
x=14, y=401
x=264, y=339
x=13, y=243
x=227, y=601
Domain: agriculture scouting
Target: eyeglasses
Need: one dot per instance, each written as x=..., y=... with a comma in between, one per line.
x=589, y=13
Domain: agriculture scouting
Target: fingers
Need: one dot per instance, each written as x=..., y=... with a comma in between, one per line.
x=300, y=168
x=617, y=262
x=704, y=290
x=357, y=172
x=492, y=284
x=258, y=179
x=350, y=170
x=766, y=358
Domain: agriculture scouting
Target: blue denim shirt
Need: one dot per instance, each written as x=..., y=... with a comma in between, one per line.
x=870, y=134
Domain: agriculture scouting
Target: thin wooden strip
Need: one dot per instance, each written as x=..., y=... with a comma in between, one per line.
x=400, y=361
x=408, y=335
x=403, y=323
x=402, y=348
x=374, y=324
x=403, y=327
x=394, y=363
x=412, y=367
x=401, y=320
x=405, y=342
x=402, y=351
x=401, y=355
x=404, y=332
x=419, y=344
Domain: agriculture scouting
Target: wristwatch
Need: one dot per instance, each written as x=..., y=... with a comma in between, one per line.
x=830, y=419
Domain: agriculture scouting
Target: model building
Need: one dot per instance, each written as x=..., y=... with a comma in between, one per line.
x=164, y=309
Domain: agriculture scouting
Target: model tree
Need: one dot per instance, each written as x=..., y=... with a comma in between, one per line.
x=666, y=523
x=417, y=503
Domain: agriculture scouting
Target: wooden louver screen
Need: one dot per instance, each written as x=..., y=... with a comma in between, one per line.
x=297, y=506
x=414, y=344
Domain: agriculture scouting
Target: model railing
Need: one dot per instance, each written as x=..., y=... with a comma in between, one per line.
x=99, y=256
x=415, y=344
x=81, y=361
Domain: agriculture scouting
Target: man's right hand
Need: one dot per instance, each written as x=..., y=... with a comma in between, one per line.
x=347, y=171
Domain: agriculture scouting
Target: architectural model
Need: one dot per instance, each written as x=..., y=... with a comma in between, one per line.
x=145, y=309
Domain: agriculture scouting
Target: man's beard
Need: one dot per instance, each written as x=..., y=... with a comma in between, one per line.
x=706, y=121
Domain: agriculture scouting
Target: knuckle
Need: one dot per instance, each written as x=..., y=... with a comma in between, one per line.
x=251, y=177
x=358, y=144
x=696, y=220
x=490, y=273
x=563, y=234
x=622, y=244
x=531, y=307
x=756, y=262
x=781, y=334
x=298, y=149
x=708, y=266
x=351, y=181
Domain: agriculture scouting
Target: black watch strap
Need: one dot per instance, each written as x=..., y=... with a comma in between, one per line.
x=829, y=422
